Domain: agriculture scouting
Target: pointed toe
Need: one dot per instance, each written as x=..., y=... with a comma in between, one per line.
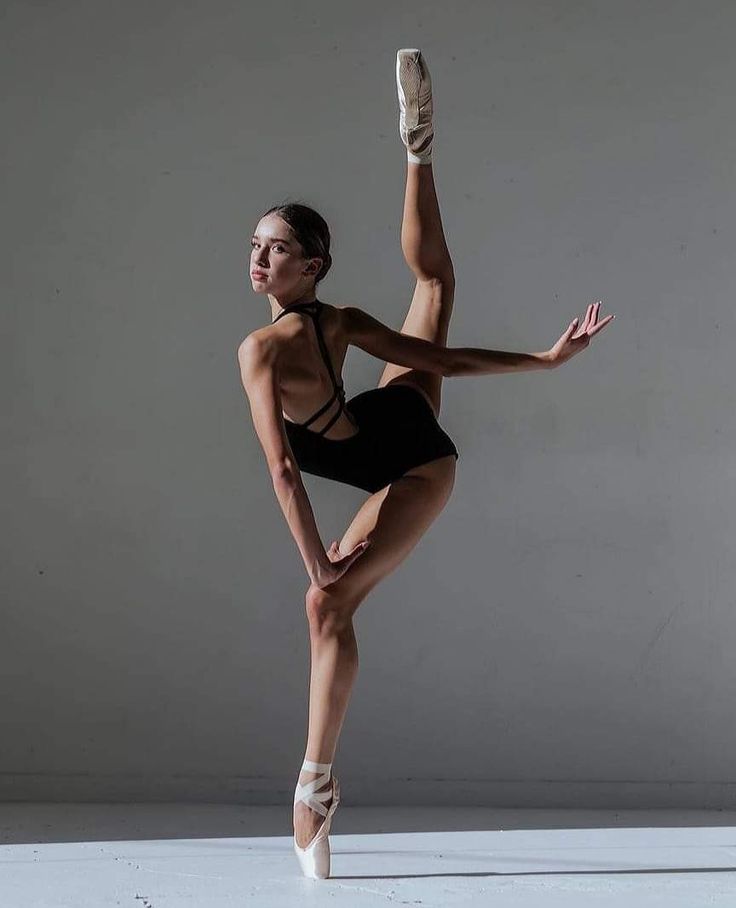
x=414, y=86
x=314, y=859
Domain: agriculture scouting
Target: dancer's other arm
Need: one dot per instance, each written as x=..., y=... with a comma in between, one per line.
x=379, y=340
x=259, y=375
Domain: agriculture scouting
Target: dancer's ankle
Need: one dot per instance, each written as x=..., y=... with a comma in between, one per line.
x=425, y=158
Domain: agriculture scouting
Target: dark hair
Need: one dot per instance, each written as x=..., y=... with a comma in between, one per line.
x=310, y=230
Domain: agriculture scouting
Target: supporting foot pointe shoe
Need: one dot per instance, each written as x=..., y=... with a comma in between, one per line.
x=315, y=858
x=414, y=86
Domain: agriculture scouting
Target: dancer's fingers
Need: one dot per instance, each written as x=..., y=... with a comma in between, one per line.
x=586, y=320
x=596, y=328
x=596, y=313
x=345, y=562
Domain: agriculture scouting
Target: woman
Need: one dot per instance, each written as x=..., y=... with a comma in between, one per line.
x=386, y=440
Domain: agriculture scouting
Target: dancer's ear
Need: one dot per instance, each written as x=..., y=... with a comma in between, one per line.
x=313, y=267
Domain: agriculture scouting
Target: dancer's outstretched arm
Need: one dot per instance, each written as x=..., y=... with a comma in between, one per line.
x=259, y=376
x=383, y=342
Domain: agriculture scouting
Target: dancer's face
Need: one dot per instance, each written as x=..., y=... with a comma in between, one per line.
x=276, y=252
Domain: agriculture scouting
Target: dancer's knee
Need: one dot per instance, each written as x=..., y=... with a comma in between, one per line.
x=440, y=274
x=329, y=611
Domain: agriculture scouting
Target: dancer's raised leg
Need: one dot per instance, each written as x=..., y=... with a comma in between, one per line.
x=422, y=237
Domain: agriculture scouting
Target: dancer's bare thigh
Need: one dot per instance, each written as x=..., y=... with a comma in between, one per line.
x=428, y=318
x=394, y=519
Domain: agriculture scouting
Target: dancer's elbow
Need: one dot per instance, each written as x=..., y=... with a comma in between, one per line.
x=284, y=473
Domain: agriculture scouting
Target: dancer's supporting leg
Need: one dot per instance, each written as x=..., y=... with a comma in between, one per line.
x=394, y=519
x=334, y=665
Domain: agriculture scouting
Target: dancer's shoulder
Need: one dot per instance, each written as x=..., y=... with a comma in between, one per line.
x=260, y=346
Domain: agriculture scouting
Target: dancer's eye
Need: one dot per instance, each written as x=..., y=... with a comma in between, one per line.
x=278, y=247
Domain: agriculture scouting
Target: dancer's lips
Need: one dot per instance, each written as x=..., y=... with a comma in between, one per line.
x=259, y=275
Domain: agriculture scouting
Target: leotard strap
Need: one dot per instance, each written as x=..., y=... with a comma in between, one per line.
x=314, y=309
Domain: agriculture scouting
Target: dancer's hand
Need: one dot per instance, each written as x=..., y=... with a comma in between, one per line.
x=573, y=341
x=338, y=563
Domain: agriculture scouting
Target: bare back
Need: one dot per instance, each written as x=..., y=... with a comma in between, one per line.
x=304, y=381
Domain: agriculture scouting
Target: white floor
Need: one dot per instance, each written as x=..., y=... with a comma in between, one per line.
x=171, y=855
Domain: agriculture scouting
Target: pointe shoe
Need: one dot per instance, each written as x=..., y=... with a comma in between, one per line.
x=315, y=858
x=414, y=86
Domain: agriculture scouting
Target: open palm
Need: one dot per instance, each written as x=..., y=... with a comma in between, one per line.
x=577, y=338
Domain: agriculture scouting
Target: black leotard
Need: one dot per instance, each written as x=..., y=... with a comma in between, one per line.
x=397, y=429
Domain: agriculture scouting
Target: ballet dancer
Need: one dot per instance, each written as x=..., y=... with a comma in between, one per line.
x=386, y=440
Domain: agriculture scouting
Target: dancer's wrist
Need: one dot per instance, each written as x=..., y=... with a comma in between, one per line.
x=321, y=570
x=545, y=360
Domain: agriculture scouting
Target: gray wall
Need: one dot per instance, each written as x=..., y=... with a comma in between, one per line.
x=564, y=633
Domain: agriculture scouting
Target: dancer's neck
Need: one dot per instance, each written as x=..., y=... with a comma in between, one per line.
x=280, y=305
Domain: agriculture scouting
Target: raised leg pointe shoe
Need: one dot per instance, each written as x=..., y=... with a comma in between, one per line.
x=414, y=85
x=315, y=858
